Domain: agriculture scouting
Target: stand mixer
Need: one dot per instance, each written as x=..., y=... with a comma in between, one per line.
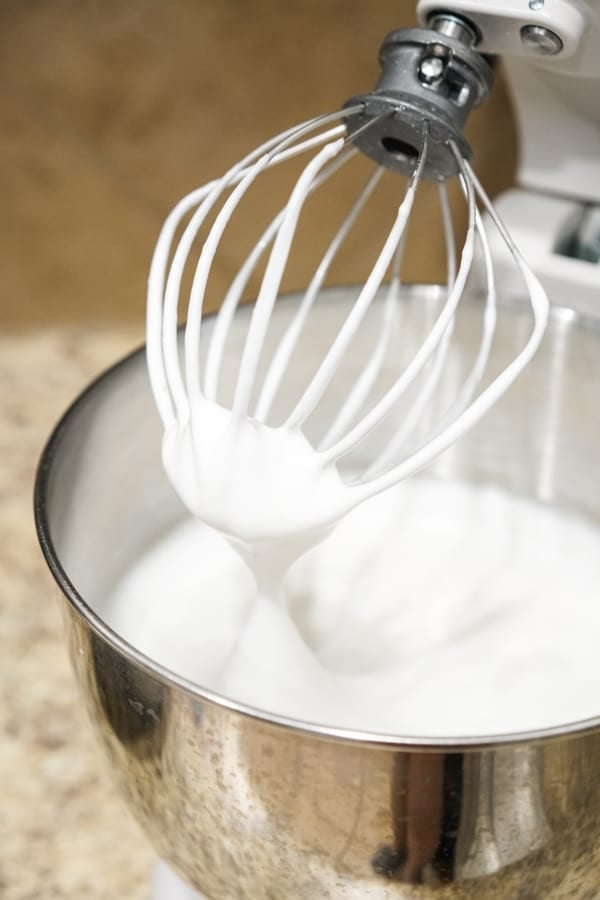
x=186, y=759
x=552, y=65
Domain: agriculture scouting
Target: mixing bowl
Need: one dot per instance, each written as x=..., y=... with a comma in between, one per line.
x=244, y=804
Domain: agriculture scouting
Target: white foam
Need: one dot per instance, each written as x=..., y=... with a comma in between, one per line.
x=435, y=609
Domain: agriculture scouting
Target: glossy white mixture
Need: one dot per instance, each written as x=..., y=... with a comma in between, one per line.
x=435, y=609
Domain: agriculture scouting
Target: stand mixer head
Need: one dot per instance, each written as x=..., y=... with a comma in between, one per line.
x=551, y=61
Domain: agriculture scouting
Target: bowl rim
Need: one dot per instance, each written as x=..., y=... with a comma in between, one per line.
x=559, y=316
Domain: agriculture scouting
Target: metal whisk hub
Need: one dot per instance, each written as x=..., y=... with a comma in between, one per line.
x=431, y=79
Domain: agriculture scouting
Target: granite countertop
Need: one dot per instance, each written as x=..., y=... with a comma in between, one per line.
x=64, y=832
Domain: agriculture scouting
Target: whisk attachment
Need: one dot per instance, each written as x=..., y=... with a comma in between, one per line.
x=430, y=77
x=242, y=461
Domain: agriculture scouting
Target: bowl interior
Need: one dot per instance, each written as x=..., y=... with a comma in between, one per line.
x=106, y=498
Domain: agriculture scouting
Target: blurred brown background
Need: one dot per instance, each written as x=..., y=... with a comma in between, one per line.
x=111, y=110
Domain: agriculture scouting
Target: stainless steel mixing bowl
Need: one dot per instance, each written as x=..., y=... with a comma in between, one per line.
x=244, y=804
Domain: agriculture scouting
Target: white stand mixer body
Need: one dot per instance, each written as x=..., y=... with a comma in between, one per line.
x=556, y=97
x=557, y=104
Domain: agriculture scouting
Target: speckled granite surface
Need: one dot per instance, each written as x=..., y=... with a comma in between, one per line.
x=64, y=833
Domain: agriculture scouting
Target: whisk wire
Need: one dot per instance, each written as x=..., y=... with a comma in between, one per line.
x=449, y=236
x=492, y=393
x=271, y=282
x=356, y=399
x=391, y=310
x=161, y=324
x=421, y=357
x=538, y=297
x=291, y=336
x=261, y=314
x=474, y=377
x=332, y=359
x=200, y=280
x=240, y=172
x=414, y=415
x=192, y=331
x=224, y=318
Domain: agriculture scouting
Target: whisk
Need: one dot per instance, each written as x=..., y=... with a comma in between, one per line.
x=232, y=464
